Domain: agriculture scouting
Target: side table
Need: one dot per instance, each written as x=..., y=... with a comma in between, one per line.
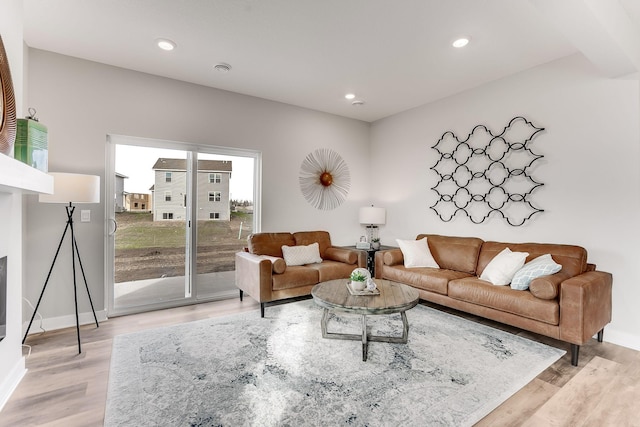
x=371, y=256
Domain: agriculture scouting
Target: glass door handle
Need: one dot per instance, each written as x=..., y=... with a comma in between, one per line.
x=115, y=226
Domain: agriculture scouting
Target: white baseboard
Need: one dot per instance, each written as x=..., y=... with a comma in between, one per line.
x=53, y=323
x=624, y=339
x=12, y=380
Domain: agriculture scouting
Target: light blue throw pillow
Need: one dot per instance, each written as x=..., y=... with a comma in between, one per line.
x=541, y=266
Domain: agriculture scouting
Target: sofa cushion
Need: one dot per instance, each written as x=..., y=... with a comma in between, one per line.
x=308, y=237
x=330, y=270
x=544, y=265
x=503, y=267
x=416, y=253
x=301, y=255
x=573, y=259
x=429, y=279
x=503, y=298
x=269, y=243
x=454, y=253
x=295, y=276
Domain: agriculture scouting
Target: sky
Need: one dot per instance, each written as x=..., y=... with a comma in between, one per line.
x=136, y=164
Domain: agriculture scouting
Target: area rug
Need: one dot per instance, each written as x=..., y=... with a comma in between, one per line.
x=243, y=370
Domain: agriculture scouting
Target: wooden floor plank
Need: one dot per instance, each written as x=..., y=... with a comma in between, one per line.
x=520, y=406
x=574, y=404
x=63, y=388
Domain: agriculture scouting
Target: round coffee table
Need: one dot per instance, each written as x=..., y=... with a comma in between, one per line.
x=393, y=298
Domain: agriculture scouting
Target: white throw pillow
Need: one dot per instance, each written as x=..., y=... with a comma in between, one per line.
x=301, y=255
x=416, y=253
x=503, y=267
x=538, y=267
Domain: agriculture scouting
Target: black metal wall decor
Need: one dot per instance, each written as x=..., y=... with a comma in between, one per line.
x=487, y=174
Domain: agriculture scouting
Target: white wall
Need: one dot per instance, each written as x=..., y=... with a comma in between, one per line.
x=12, y=366
x=590, y=169
x=81, y=102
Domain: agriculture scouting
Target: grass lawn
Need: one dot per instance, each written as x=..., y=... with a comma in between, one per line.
x=146, y=249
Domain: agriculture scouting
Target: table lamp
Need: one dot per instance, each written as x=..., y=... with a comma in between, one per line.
x=371, y=217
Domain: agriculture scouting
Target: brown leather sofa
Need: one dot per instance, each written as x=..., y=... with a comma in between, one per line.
x=571, y=305
x=262, y=272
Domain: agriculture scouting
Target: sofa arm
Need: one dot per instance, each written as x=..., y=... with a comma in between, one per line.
x=387, y=257
x=253, y=275
x=345, y=255
x=585, y=306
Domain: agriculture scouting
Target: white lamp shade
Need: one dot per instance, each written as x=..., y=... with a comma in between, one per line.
x=73, y=188
x=372, y=215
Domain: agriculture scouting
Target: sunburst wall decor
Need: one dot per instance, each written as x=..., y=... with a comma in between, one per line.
x=324, y=179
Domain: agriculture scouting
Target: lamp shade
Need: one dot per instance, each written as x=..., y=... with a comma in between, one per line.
x=73, y=188
x=372, y=215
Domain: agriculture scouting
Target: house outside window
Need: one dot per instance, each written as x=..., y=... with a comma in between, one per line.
x=214, y=215
x=167, y=215
x=212, y=180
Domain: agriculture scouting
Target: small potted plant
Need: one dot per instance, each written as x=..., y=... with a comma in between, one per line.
x=358, y=281
x=375, y=243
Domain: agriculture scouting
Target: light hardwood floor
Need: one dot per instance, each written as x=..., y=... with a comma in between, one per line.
x=64, y=388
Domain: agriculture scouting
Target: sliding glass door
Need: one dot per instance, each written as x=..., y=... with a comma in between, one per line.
x=224, y=220
x=179, y=214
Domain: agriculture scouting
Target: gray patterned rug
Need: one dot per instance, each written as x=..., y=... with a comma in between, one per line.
x=242, y=370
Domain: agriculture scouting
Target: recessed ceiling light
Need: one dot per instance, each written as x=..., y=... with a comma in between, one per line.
x=166, y=44
x=461, y=41
x=357, y=103
x=222, y=67
x=350, y=96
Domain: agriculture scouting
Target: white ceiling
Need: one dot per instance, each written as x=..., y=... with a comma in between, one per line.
x=394, y=55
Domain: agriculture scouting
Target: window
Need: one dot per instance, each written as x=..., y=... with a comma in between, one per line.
x=135, y=205
x=144, y=206
x=215, y=196
x=167, y=177
x=167, y=215
x=215, y=178
x=167, y=196
x=214, y=215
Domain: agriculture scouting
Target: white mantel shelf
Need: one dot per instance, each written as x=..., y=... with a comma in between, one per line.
x=16, y=176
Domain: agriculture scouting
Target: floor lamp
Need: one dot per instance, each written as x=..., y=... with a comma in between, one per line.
x=70, y=188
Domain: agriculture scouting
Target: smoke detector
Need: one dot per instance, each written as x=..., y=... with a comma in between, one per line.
x=222, y=67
